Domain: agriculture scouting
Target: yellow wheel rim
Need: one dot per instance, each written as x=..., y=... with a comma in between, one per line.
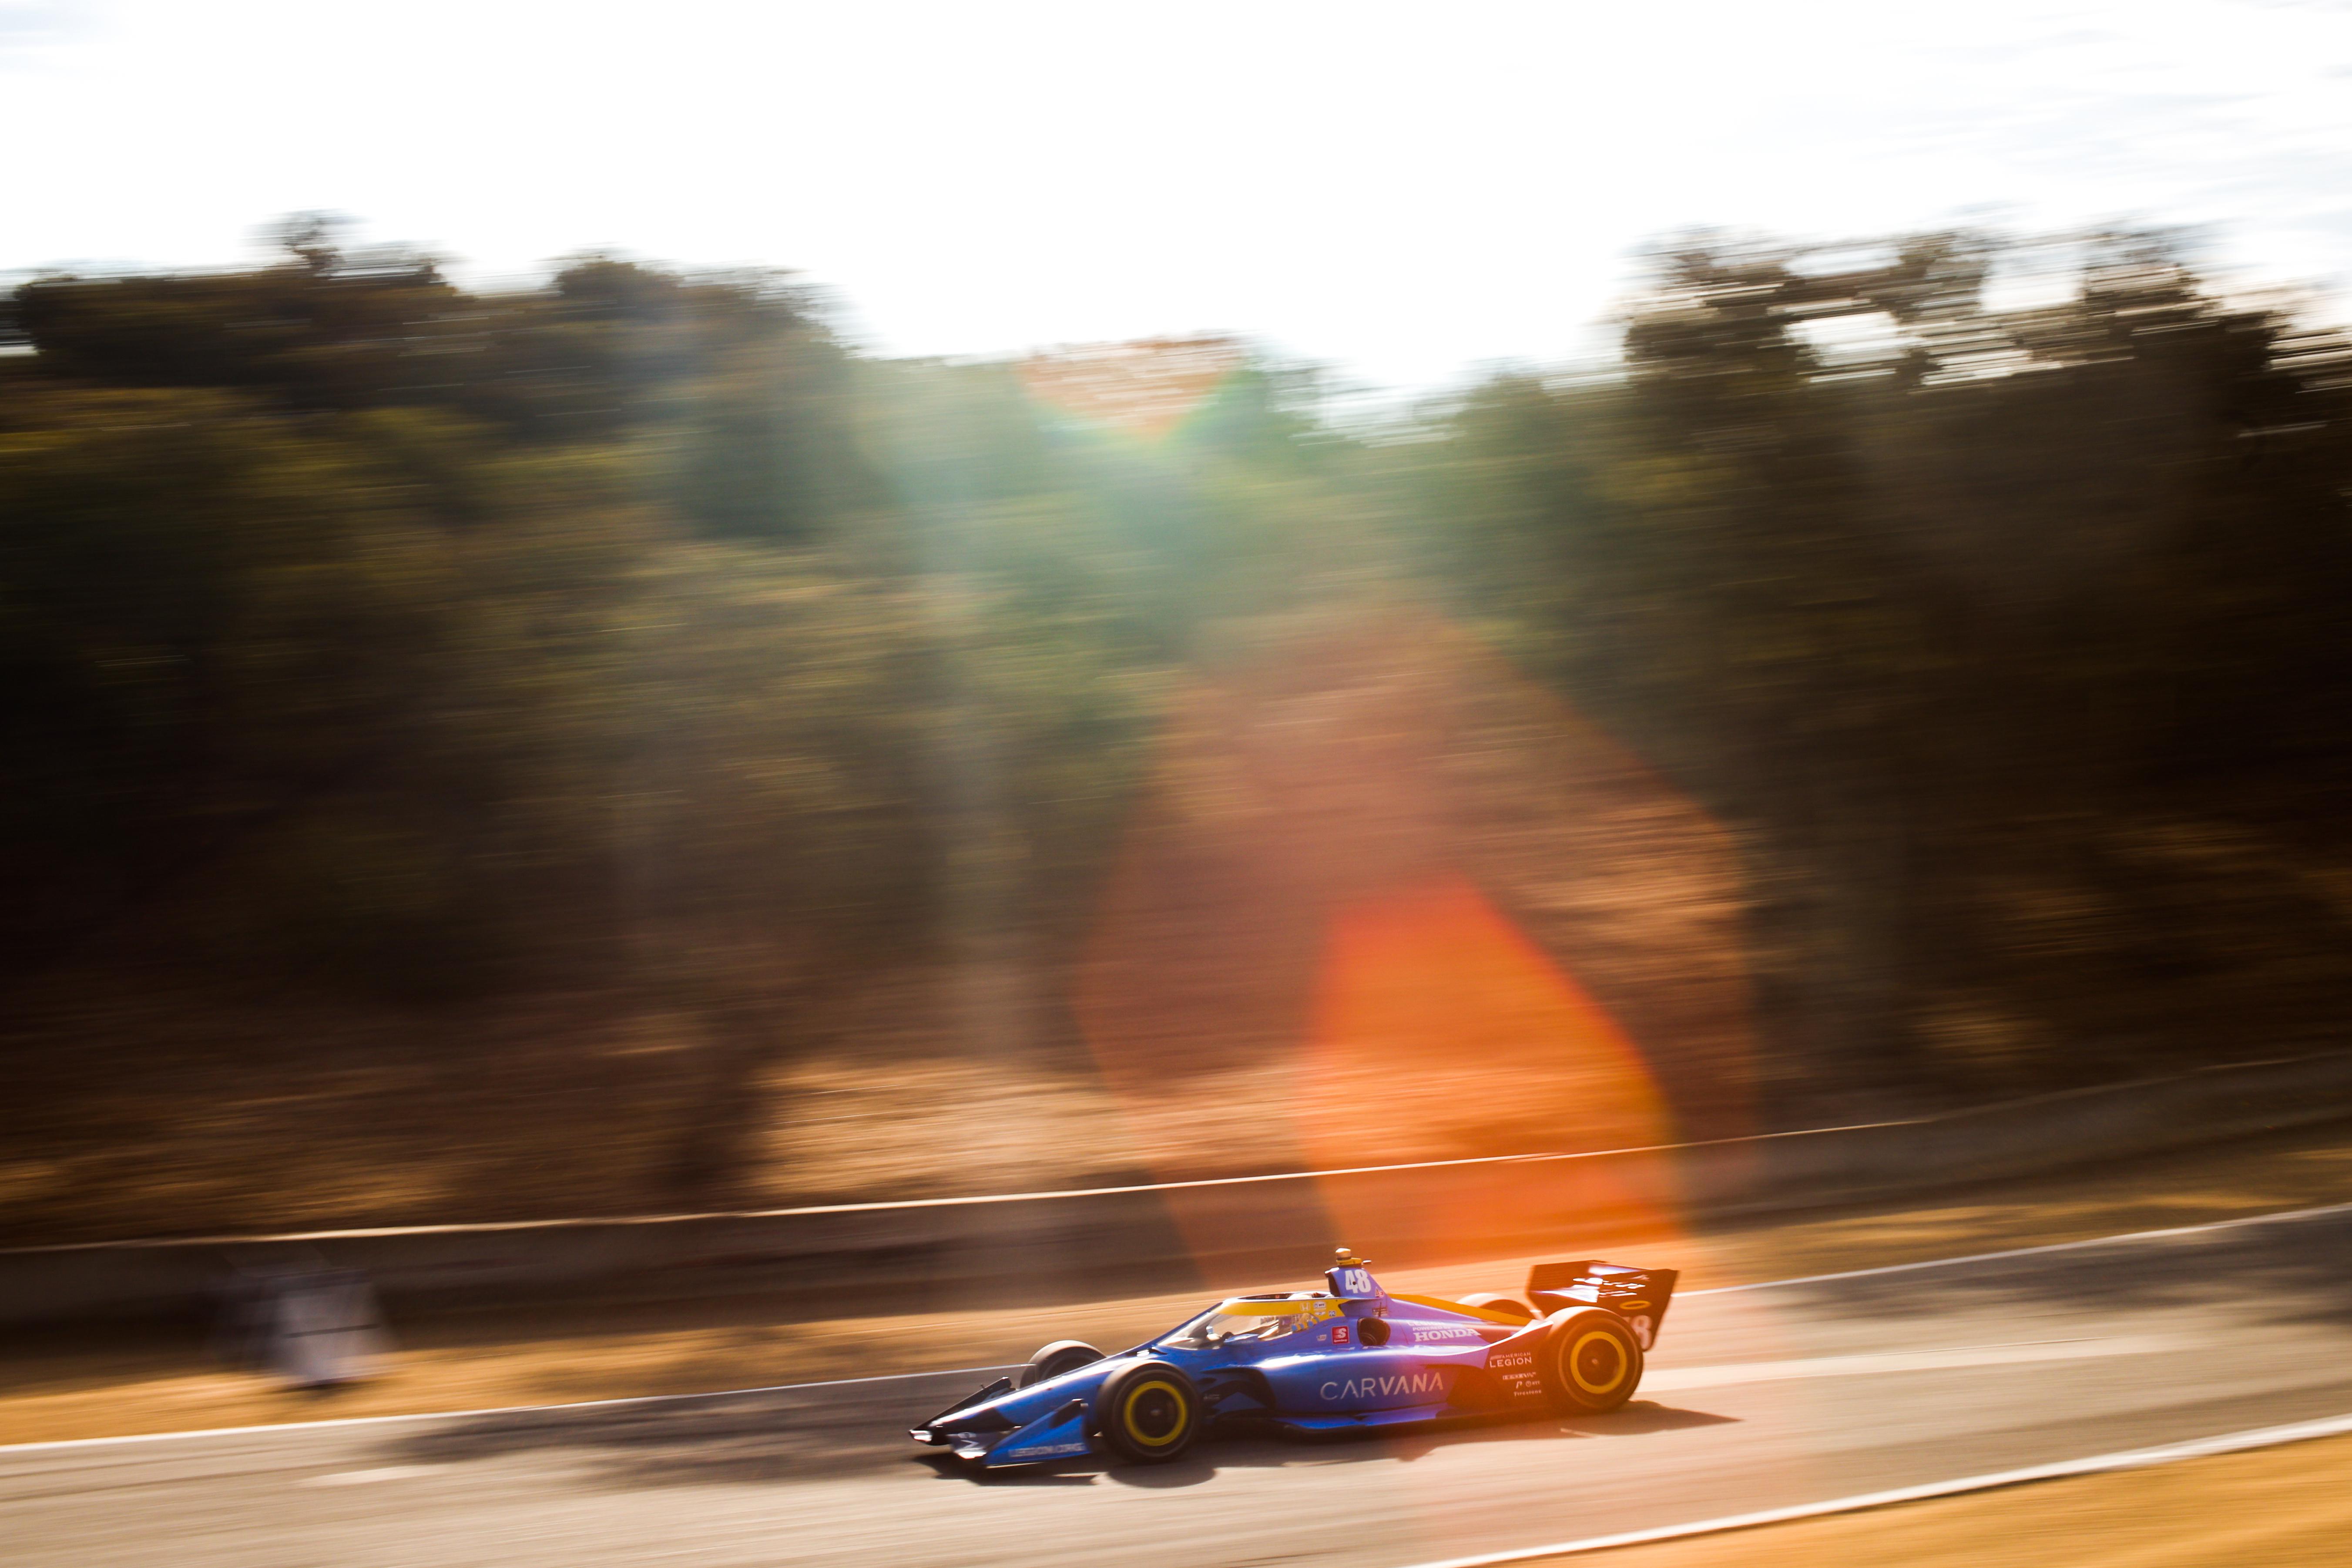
x=1608, y=1371
x=1127, y=1413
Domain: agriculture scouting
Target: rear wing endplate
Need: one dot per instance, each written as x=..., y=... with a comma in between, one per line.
x=1640, y=1296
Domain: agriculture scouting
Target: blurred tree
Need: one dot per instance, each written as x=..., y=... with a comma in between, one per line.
x=1957, y=619
x=412, y=641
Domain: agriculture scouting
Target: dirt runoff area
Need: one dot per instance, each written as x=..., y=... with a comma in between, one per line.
x=60, y=1385
x=2289, y=1507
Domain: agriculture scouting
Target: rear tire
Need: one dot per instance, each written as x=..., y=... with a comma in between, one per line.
x=1053, y=1360
x=1590, y=1363
x=1148, y=1413
x=1508, y=1306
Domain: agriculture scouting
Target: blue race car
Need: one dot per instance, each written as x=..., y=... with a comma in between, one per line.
x=1347, y=1358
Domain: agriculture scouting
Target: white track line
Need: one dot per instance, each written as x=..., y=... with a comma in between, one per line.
x=2128, y=1459
x=369, y=1477
x=496, y=1227
x=7, y=1449
x=908, y=1376
x=1726, y=1374
x=2117, y=1240
x=489, y=1227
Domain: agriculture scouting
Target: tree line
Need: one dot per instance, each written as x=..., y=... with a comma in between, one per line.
x=401, y=641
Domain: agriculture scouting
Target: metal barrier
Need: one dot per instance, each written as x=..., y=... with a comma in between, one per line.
x=1187, y=1234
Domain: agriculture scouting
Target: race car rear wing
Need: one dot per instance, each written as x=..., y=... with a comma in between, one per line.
x=1640, y=1296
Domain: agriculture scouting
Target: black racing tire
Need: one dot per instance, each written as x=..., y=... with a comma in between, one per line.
x=1148, y=1413
x=1590, y=1363
x=1052, y=1361
x=1508, y=1306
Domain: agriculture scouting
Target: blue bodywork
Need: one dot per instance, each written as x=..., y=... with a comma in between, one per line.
x=1345, y=1358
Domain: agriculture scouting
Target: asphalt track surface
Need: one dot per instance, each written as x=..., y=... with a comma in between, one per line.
x=1759, y=1398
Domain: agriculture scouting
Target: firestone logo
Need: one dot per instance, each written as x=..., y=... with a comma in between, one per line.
x=1382, y=1387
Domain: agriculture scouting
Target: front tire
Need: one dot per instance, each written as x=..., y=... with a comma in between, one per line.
x=1590, y=1363
x=1053, y=1360
x=1148, y=1413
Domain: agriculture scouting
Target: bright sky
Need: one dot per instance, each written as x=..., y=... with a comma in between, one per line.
x=1401, y=191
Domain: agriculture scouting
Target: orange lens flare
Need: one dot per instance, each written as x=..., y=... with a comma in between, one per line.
x=1431, y=1012
x=1144, y=389
x=1386, y=901
x=1429, y=997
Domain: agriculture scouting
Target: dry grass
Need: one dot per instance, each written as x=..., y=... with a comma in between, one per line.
x=2276, y=1507
x=334, y=1126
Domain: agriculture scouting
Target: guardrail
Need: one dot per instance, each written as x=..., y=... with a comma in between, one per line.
x=1181, y=1234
